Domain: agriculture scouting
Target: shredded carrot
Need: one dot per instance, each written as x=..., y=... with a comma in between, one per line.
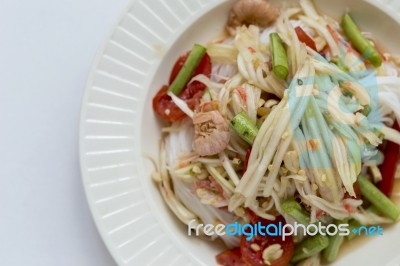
x=242, y=93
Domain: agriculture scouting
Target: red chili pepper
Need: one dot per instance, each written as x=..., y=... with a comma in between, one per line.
x=389, y=165
x=320, y=213
x=246, y=161
x=305, y=38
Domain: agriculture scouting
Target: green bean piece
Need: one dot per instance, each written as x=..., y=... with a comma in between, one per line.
x=335, y=242
x=366, y=110
x=378, y=199
x=292, y=208
x=310, y=247
x=243, y=126
x=340, y=64
x=355, y=36
x=279, y=57
x=188, y=68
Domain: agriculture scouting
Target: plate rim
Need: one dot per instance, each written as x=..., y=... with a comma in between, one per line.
x=83, y=110
x=387, y=6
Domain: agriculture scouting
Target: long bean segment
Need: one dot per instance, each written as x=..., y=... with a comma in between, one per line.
x=335, y=242
x=188, y=68
x=360, y=42
x=310, y=247
x=378, y=199
x=243, y=126
x=296, y=211
x=279, y=57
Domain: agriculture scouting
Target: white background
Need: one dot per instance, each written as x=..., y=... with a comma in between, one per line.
x=46, y=51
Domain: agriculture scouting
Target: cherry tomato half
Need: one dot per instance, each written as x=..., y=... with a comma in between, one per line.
x=191, y=94
x=254, y=257
x=232, y=257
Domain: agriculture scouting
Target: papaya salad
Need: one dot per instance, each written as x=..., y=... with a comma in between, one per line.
x=291, y=117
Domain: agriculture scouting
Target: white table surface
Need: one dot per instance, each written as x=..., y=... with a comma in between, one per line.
x=46, y=51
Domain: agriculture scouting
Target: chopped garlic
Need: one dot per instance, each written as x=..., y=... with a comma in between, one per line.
x=285, y=135
x=301, y=172
x=236, y=161
x=270, y=103
x=272, y=253
x=196, y=169
x=265, y=204
x=240, y=211
x=255, y=247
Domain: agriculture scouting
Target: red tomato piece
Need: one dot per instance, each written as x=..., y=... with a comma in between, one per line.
x=191, y=94
x=203, y=68
x=254, y=257
x=389, y=165
x=232, y=257
x=165, y=108
x=305, y=38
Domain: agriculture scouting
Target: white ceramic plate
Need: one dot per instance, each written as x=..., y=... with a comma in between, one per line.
x=118, y=127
